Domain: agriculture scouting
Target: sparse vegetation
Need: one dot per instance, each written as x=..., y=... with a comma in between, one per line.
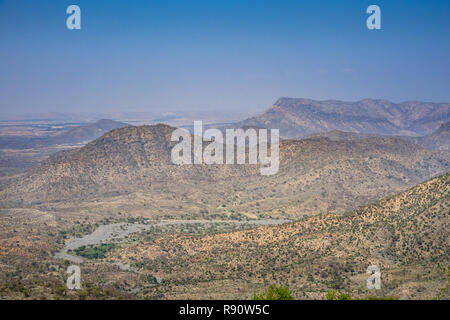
x=335, y=295
x=320, y=184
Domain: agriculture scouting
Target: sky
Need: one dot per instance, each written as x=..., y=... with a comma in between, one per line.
x=218, y=56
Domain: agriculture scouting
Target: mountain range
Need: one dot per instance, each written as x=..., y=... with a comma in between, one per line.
x=73, y=135
x=297, y=118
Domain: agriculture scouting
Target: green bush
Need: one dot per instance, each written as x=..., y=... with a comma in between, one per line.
x=334, y=295
x=274, y=293
x=331, y=295
x=97, y=252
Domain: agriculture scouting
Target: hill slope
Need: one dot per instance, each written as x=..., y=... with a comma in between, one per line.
x=405, y=235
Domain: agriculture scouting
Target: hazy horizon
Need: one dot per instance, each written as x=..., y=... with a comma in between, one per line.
x=220, y=56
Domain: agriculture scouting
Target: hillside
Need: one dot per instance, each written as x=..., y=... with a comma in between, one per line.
x=297, y=118
x=438, y=140
x=131, y=167
x=405, y=235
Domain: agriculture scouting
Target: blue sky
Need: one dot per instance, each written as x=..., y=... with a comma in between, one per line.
x=218, y=55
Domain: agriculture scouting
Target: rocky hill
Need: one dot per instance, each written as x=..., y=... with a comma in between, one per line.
x=132, y=166
x=297, y=118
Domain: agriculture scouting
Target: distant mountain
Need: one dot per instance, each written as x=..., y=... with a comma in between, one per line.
x=87, y=132
x=72, y=135
x=297, y=118
x=438, y=140
x=316, y=175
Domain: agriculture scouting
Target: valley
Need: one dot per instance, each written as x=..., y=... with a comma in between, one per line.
x=141, y=227
x=224, y=150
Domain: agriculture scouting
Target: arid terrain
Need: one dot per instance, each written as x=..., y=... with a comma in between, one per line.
x=142, y=227
x=406, y=235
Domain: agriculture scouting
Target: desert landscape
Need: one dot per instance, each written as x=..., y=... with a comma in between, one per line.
x=142, y=227
x=198, y=157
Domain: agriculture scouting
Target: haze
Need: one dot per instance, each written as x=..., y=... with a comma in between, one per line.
x=228, y=56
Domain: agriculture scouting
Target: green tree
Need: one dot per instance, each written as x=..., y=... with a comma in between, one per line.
x=274, y=293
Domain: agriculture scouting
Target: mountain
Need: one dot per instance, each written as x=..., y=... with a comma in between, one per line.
x=132, y=166
x=297, y=118
x=72, y=135
x=405, y=235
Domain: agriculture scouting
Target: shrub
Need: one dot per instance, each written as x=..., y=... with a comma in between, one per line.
x=274, y=293
x=335, y=295
x=97, y=252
